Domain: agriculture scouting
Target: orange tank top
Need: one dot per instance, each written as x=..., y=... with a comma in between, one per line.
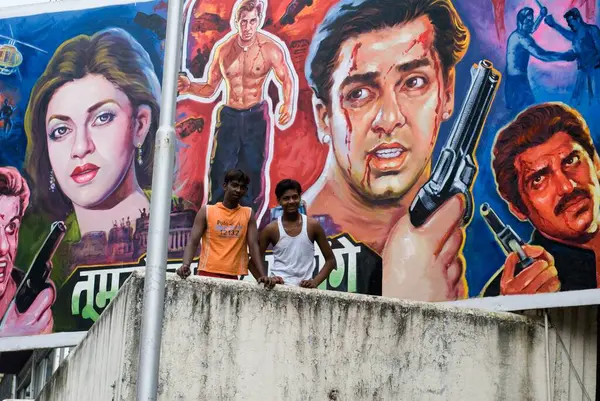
x=224, y=243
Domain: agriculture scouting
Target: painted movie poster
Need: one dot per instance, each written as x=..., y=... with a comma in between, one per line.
x=446, y=146
x=80, y=101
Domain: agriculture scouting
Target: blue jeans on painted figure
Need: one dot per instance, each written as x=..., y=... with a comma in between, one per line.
x=240, y=142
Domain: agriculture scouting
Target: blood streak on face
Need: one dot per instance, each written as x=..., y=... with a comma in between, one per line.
x=424, y=38
x=388, y=71
x=348, y=122
x=353, y=56
x=367, y=174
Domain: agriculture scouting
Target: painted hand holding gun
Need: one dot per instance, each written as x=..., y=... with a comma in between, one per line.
x=528, y=269
x=29, y=311
x=455, y=170
x=441, y=208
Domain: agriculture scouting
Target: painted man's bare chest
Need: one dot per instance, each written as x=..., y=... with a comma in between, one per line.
x=246, y=64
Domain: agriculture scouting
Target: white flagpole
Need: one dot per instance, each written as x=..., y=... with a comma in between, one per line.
x=160, y=210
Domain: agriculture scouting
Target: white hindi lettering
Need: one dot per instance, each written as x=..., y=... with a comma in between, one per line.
x=352, y=251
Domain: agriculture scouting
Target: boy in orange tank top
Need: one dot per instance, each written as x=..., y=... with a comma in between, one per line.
x=227, y=231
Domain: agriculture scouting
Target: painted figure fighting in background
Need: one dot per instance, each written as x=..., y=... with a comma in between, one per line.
x=520, y=47
x=586, y=44
x=239, y=66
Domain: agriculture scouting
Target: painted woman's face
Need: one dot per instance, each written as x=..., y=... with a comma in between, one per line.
x=92, y=134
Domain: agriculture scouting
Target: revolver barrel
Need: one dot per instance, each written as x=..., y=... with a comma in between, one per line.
x=506, y=236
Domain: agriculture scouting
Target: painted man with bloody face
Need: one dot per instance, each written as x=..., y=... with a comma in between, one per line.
x=37, y=319
x=383, y=75
x=548, y=148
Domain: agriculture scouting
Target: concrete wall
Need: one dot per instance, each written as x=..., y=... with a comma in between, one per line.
x=103, y=365
x=235, y=341
x=578, y=330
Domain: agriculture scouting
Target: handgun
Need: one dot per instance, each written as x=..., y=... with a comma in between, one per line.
x=506, y=236
x=34, y=281
x=455, y=169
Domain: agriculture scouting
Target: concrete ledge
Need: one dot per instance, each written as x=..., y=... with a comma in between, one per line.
x=225, y=340
x=54, y=340
x=534, y=301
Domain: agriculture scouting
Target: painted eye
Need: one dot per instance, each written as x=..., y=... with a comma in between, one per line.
x=104, y=118
x=358, y=94
x=537, y=181
x=571, y=160
x=59, y=132
x=11, y=228
x=415, y=82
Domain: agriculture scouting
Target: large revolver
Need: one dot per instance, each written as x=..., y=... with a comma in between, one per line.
x=455, y=169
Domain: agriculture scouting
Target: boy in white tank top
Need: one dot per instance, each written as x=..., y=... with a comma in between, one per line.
x=293, y=236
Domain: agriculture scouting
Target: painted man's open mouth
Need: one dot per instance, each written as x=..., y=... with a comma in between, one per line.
x=388, y=156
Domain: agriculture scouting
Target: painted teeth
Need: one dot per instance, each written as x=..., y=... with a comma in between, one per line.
x=388, y=153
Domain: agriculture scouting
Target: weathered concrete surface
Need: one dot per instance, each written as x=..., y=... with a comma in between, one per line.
x=227, y=340
x=103, y=365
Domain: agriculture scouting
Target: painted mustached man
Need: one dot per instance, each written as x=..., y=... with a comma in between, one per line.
x=549, y=149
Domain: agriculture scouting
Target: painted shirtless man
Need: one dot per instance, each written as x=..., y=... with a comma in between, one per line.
x=521, y=46
x=240, y=66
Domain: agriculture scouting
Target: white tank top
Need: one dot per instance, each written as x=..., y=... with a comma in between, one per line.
x=294, y=256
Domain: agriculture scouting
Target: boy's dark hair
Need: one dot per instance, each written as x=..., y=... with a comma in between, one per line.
x=237, y=175
x=285, y=185
x=350, y=18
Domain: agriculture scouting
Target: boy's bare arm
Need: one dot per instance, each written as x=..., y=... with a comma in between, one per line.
x=190, y=249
